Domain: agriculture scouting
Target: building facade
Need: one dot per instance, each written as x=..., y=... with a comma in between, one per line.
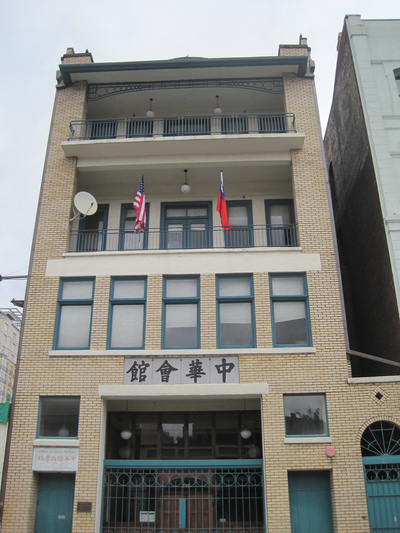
x=362, y=144
x=191, y=376
x=10, y=326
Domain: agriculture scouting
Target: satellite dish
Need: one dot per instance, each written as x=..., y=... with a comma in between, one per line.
x=85, y=203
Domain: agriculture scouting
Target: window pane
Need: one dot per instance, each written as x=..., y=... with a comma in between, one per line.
x=305, y=415
x=59, y=417
x=77, y=290
x=74, y=326
x=290, y=323
x=146, y=432
x=238, y=215
x=197, y=211
x=279, y=215
x=185, y=288
x=176, y=212
x=235, y=324
x=129, y=288
x=288, y=286
x=175, y=236
x=127, y=326
x=181, y=325
x=234, y=287
x=199, y=435
x=172, y=436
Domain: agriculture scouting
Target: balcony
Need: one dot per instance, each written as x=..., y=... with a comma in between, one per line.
x=181, y=126
x=176, y=238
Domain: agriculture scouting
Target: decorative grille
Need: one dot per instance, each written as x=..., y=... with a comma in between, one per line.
x=170, y=500
x=381, y=438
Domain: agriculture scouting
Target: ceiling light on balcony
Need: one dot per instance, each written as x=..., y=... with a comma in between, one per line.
x=150, y=112
x=185, y=187
x=217, y=110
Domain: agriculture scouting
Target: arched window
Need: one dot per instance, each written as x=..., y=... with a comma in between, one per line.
x=381, y=438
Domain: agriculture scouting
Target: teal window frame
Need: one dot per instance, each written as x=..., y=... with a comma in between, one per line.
x=240, y=236
x=126, y=301
x=65, y=419
x=289, y=234
x=290, y=298
x=180, y=300
x=93, y=239
x=68, y=302
x=310, y=420
x=233, y=300
x=144, y=234
x=186, y=223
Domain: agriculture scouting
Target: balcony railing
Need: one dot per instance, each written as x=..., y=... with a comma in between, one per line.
x=178, y=239
x=182, y=126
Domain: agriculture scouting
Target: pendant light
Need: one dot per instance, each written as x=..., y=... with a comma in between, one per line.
x=126, y=433
x=150, y=112
x=217, y=110
x=185, y=189
x=245, y=432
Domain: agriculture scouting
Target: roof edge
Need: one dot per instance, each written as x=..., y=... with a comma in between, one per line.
x=183, y=63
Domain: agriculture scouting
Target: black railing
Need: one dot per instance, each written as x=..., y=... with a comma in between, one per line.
x=195, y=239
x=182, y=126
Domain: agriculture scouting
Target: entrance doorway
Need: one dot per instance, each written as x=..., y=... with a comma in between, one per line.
x=310, y=502
x=380, y=446
x=55, y=500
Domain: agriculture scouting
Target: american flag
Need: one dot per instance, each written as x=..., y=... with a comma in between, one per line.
x=139, y=203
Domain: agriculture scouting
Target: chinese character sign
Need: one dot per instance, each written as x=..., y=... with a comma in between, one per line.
x=55, y=459
x=182, y=371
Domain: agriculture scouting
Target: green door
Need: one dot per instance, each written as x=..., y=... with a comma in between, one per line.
x=382, y=483
x=310, y=502
x=54, y=506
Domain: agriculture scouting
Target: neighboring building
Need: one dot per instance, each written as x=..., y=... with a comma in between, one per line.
x=362, y=145
x=188, y=377
x=10, y=326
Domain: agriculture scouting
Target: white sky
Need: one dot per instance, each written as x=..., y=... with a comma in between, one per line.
x=35, y=34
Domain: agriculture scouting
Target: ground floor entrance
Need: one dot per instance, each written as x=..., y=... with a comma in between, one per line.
x=55, y=499
x=195, y=496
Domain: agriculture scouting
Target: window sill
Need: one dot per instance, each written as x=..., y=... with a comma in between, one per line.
x=307, y=440
x=57, y=442
x=188, y=352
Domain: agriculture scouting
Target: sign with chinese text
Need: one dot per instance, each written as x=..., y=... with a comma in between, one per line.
x=183, y=371
x=54, y=459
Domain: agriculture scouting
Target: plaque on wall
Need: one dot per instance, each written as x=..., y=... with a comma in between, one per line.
x=54, y=459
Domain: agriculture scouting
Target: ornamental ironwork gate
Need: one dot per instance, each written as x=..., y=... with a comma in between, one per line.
x=142, y=498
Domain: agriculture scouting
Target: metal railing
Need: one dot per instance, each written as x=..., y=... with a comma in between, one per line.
x=182, y=126
x=178, y=239
x=195, y=499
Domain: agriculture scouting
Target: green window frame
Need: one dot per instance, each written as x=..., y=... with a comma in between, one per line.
x=58, y=417
x=186, y=225
x=128, y=238
x=181, y=312
x=92, y=234
x=281, y=229
x=240, y=217
x=290, y=310
x=127, y=314
x=235, y=311
x=306, y=415
x=74, y=314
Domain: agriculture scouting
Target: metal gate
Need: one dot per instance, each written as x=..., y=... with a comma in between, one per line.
x=194, y=497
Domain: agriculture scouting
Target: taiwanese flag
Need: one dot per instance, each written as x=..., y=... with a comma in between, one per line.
x=221, y=205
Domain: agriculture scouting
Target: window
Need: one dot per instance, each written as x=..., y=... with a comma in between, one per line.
x=289, y=309
x=281, y=230
x=58, y=417
x=74, y=314
x=128, y=238
x=186, y=225
x=240, y=224
x=305, y=415
x=181, y=328
x=92, y=235
x=235, y=311
x=127, y=313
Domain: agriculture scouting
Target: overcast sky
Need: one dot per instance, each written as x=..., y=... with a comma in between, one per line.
x=35, y=34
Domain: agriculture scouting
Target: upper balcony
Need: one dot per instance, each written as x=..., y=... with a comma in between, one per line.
x=252, y=135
